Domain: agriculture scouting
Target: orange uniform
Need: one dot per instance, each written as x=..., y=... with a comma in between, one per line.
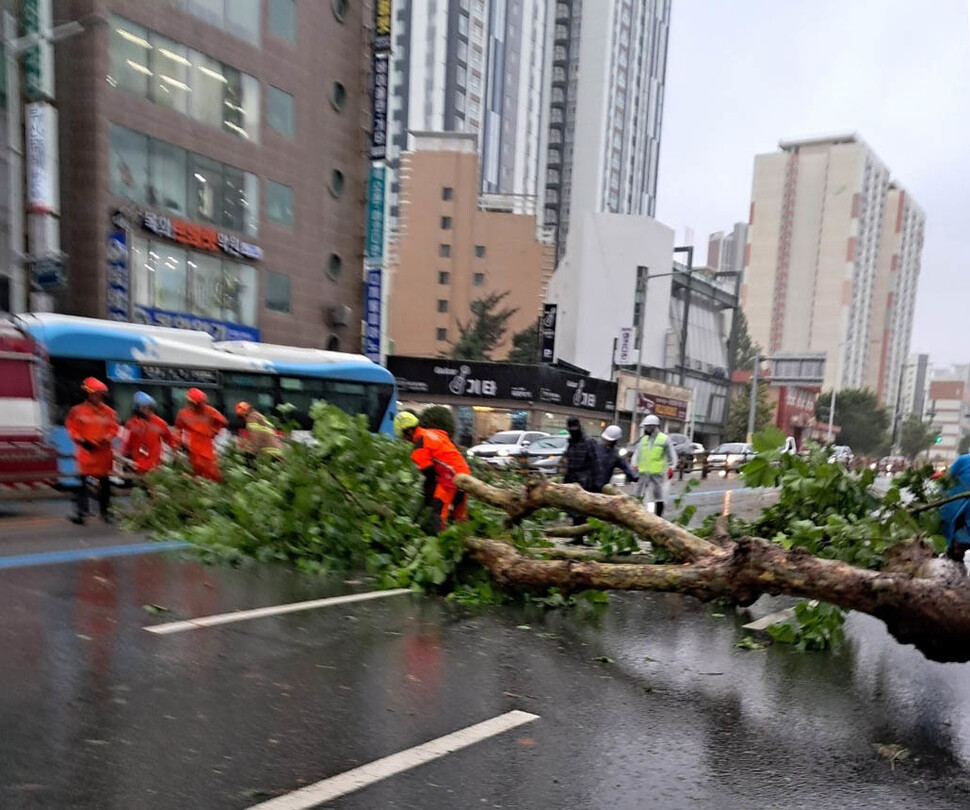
x=92, y=427
x=198, y=427
x=146, y=435
x=433, y=450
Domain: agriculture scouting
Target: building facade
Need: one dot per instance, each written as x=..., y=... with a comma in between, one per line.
x=949, y=413
x=606, y=64
x=212, y=166
x=915, y=388
x=456, y=247
x=833, y=257
x=725, y=251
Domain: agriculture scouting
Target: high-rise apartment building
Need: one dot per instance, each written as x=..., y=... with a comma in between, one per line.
x=915, y=386
x=212, y=166
x=471, y=66
x=833, y=259
x=725, y=251
x=606, y=63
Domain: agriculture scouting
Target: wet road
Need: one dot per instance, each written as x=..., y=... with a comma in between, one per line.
x=99, y=713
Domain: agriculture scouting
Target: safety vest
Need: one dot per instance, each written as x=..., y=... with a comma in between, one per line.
x=653, y=458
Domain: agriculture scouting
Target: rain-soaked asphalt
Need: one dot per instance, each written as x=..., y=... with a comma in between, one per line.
x=99, y=713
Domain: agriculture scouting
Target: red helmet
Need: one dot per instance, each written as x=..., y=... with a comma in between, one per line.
x=92, y=385
x=243, y=408
x=195, y=396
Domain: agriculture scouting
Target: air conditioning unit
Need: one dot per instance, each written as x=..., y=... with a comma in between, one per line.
x=338, y=316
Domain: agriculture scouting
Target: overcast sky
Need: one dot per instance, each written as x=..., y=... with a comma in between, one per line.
x=744, y=74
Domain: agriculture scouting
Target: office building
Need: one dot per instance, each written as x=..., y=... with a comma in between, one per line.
x=605, y=69
x=833, y=259
x=216, y=147
x=456, y=247
x=725, y=251
x=949, y=411
x=915, y=386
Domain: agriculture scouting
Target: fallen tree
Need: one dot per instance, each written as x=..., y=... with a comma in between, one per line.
x=350, y=501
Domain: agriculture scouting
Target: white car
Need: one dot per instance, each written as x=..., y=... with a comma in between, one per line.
x=730, y=457
x=505, y=446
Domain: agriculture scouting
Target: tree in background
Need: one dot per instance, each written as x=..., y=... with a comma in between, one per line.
x=737, y=424
x=863, y=423
x=915, y=436
x=438, y=417
x=480, y=336
x=745, y=349
x=525, y=346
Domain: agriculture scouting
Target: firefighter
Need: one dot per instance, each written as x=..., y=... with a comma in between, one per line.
x=439, y=462
x=197, y=425
x=146, y=432
x=258, y=437
x=92, y=426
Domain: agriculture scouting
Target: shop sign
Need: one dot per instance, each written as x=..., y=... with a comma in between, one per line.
x=382, y=26
x=500, y=381
x=135, y=372
x=42, y=184
x=664, y=407
x=118, y=278
x=200, y=237
x=220, y=330
x=374, y=245
x=625, y=347
x=378, y=106
x=372, y=314
x=547, y=333
x=37, y=17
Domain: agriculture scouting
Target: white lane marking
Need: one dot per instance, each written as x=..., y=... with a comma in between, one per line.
x=274, y=610
x=771, y=619
x=379, y=769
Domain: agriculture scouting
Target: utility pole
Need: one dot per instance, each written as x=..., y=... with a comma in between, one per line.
x=835, y=391
x=682, y=354
x=643, y=275
x=753, y=398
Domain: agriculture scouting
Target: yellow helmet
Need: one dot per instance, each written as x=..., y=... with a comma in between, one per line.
x=405, y=420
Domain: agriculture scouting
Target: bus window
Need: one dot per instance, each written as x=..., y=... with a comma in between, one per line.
x=370, y=399
x=301, y=393
x=259, y=390
x=68, y=376
x=124, y=393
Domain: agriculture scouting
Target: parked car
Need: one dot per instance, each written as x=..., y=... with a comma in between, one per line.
x=500, y=449
x=545, y=455
x=686, y=450
x=730, y=457
x=890, y=465
x=842, y=454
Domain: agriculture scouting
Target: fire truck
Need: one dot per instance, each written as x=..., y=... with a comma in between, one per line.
x=28, y=459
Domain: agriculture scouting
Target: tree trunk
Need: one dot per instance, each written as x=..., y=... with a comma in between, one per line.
x=923, y=601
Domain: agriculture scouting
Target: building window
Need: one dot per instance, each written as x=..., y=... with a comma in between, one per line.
x=282, y=19
x=334, y=266
x=129, y=56
x=442, y=305
x=446, y=223
x=279, y=111
x=277, y=297
x=444, y=277
x=463, y=25
x=340, y=8
x=129, y=164
x=170, y=66
x=338, y=96
x=240, y=200
x=243, y=19
x=447, y=193
x=207, y=190
x=337, y=182
x=444, y=251
x=240, y=106
x=333, y=344
x=479, y=279
x=279, y=203
x=168, y=173
x=442, y=334
x=479, y=251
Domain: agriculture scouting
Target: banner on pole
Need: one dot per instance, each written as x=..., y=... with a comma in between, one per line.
x=625, y=347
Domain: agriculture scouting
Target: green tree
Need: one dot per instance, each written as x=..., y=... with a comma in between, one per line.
x=863, y=423
x=525, y=346
x=737, y=424
x=745, y=349
x=438, y=417
x=481, y=335
x=915, y=436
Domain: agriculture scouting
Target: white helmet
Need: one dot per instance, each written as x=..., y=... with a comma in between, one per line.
x=612, y=434
x=649, y=420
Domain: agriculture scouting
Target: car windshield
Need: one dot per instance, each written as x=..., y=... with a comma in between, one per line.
x=731, y=448
x=552, y=443
x=507, y=437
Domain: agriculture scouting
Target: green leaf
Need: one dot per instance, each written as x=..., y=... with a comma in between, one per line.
x=748, y=643
x=771, y=438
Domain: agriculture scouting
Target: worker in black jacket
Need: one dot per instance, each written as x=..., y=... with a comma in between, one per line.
x=583, y=462
x=610, y=458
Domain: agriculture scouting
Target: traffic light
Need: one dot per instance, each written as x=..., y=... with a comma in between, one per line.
x=937, y=440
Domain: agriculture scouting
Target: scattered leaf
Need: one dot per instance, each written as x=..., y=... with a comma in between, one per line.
x=717, y=615
x=523, y=627
x=155, y=609
x=892, y=752
x=748, y=643
x=526, y=741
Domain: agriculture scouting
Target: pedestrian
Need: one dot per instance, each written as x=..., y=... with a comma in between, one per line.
x=92, y=426
x=259, y=437
x=197, y=426
x=439, y=461
x=655, y=456
x=955, y=516
x=146, y=433
x=610, y=458
x=583, y=463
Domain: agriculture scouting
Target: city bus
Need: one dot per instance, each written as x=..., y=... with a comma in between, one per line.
x=166, y=362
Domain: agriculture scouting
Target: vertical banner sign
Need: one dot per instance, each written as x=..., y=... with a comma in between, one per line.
x=118, y=279
x=624, y=347
x=378, y=107
x=37, y=17
x=547, y=334
x=382, y=26
x=42, y=181
x=372, y=319
x=374, y=245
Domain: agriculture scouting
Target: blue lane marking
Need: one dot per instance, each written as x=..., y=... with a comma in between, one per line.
x=698, y=493
x=75, y=555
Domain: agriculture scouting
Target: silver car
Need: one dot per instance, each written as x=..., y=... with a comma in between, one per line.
x=546, y=455
x=502, y=448
x=730, y=457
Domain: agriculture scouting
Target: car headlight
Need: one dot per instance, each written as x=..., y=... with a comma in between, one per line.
x=471, y=454
x=502, y=453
